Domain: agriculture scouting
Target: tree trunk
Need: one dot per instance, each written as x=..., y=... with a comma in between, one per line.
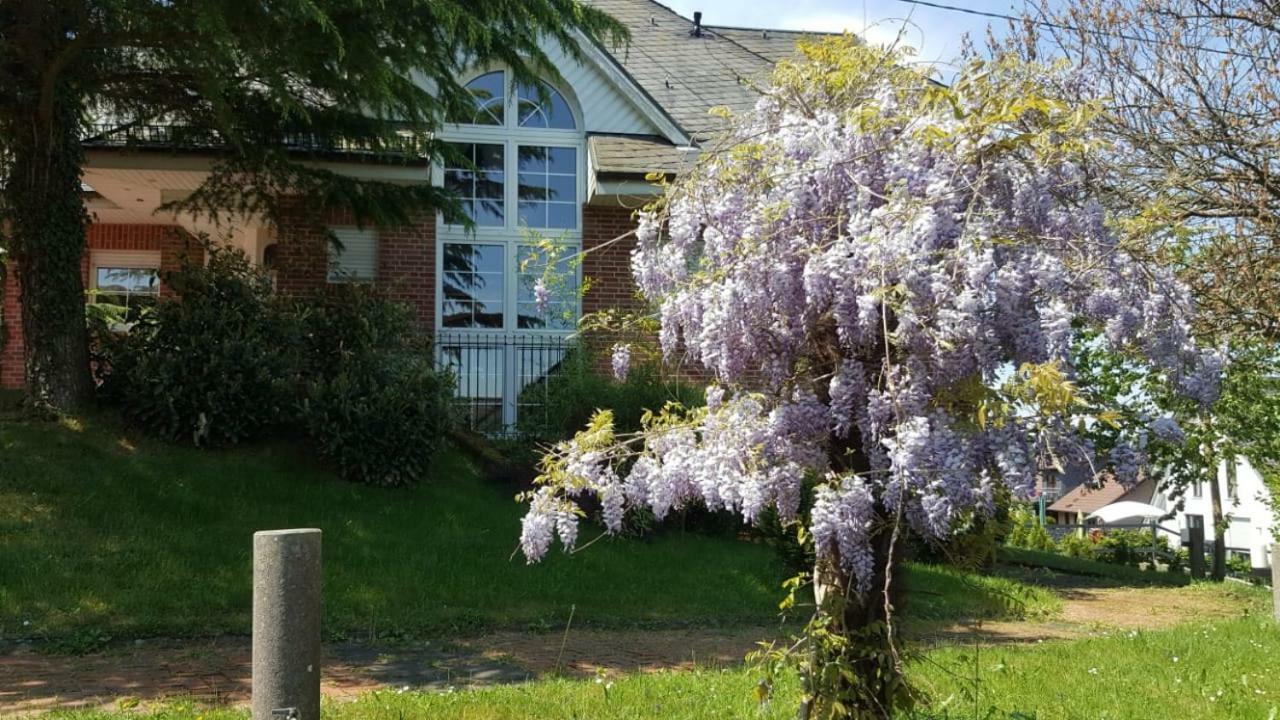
x=1218, y=571
x=47, y=222
x=856, y=671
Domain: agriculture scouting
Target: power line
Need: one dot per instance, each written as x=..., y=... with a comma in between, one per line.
x=1072, y=28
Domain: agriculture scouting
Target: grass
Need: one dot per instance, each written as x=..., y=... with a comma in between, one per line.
x=1224, y=670
x=941, y=594
x=1047, y=562
x=104, y=536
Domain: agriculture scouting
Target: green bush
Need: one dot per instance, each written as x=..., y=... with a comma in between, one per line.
x=212, y=368
x=1128, y=547
x=1075, y=546
x=380, y=420
x=225, y=361
x=575, y=393
x=1027, y=532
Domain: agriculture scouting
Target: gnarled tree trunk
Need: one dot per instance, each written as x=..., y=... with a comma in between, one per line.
x=856, y=671
x=46, y=226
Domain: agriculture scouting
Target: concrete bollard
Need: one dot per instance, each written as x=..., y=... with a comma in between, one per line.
x=1275, y=576
x=1197, y=553
x=286, y=624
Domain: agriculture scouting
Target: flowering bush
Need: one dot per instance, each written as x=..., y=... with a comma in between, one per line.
x=886, y=277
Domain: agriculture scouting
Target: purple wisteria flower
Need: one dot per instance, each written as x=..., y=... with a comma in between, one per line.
x=621, y=361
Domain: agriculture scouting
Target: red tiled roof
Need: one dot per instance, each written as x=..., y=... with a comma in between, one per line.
x=1086, y=498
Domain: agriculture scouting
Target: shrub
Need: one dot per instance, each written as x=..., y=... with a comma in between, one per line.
x=213, y=367
x=1027, y=532
x=1073, y=545
x=575, y=393
x=1127, y=547
x=381, y=419
x=373, y=403
x=225, y=361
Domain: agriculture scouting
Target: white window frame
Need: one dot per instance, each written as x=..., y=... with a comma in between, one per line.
x=510, y=235
x=130, y=259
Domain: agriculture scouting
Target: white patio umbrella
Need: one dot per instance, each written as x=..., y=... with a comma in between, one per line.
x=1127, y=510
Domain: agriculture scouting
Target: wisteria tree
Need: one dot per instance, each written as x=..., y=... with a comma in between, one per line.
x=884, y=276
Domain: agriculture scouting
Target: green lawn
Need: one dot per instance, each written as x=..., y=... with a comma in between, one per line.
x=106, y=536
x=1226, y=670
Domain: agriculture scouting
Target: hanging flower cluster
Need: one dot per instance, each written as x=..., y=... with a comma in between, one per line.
x=863, y=266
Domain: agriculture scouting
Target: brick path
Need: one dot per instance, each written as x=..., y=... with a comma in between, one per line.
x=217, y=671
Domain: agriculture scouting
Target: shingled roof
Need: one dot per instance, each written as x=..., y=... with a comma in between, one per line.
x=688, y=73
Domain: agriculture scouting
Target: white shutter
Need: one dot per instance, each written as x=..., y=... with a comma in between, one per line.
x=357, y=259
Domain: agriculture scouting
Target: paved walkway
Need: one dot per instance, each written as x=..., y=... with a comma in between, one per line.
x=217, y=671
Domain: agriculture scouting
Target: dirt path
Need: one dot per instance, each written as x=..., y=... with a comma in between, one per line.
x=217, y=671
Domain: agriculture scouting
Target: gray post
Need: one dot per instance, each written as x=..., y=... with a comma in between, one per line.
x=1275, y=576
x=1197, y=552
x=286, y=624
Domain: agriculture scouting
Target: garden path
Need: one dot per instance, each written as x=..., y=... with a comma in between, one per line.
x=216, y=670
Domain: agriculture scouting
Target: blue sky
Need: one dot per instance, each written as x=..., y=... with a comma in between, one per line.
x=935, y=33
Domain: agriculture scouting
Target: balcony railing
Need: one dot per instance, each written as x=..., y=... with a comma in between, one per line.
x=184, y=137
x=503, y=379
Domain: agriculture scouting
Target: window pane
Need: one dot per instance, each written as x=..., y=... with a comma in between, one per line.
x=562, y=187
x=562, y=160
x=562, y=284
x=480, y=191
x=128, y=280
x=488, y=94
x=548, y=187
x=562, y=216
x=534, y=112
x=473, y=285
x=533, y=158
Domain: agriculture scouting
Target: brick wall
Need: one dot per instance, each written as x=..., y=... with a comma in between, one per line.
x=609, y=268
x=170, y=241
x=406, y=259
x=11, y=361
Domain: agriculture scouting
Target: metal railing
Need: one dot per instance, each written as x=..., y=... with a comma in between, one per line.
x=180, y=136
x=502, y=378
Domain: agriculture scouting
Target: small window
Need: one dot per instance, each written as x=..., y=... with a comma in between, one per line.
x=548, y=188
x=126, y=279
x=480, y=190
x=473, y=285
x=489, y=94
x=354, y=257
x=1197, y=489
x=543, y=107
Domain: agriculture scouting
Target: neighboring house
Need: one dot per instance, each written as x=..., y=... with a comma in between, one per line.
x=571, y=170
x=1246, y=505
x=1074, y=506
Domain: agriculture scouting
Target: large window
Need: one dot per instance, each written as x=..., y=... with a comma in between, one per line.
x=517, y=171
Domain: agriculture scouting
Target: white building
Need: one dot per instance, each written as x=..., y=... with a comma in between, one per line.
x=1246, y=504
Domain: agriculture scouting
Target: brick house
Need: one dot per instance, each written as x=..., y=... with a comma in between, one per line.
x=567, y=165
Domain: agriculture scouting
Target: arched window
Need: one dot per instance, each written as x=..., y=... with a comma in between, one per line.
x=533, y=112
x=518, y=171
x=489, y=92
